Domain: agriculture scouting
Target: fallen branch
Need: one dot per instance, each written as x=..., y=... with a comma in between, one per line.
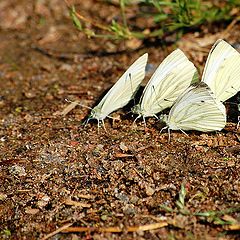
x=116, y=229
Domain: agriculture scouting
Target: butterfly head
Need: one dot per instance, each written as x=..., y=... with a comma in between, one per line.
x=165, y=118
x=137, y=109
x=96, y=113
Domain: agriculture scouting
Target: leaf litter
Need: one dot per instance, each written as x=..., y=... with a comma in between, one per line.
x=60, y=178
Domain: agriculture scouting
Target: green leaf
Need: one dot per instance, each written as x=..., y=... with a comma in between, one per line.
x=75, y=19
x=166, y=208
x=160, y=17
x=182, y=194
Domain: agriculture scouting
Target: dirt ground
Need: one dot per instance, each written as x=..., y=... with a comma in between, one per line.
x=55, y=173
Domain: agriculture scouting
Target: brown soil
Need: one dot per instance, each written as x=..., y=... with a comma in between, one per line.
x=53, y=171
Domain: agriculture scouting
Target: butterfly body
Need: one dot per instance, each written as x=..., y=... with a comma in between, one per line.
x=222, y=70
x=197, y=109
x=97, y=113
x=122, y=91
x=200, y=107
x=137, y=109
x=170, y=79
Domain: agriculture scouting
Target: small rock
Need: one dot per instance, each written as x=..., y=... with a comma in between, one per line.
x=31, y=211
x=129, y=209
x=43, y=201
x=2, y=196
x=17, y=170
x=66, y=67
x=134, y=199
x=28, y=117
x=3, y=139
x=41, y=204
x=123, y=147
x=45, y=198
x=104, y=217
x=149, y=191
x=49, y=97
x=133, y=43
x=122, y=197
x=30, y=94
x=98, y=150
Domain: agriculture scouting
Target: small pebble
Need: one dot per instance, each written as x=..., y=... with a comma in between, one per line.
x=3, y=196
x=149, y=191
x=17, y=171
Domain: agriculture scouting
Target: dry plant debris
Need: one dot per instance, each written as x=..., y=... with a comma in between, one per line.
x=61, y=180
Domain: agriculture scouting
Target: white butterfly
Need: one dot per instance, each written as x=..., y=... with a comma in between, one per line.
x=171, y=78
x=197, y=109
x=122, y=91
x=222, y=70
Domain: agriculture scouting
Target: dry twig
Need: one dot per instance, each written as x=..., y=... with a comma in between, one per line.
x=66, y=226
x=116, y=229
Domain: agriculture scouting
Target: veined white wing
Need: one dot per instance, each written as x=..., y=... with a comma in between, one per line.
x=222, y=70
x=172, y=77
x=197, y=109
x=122, y=91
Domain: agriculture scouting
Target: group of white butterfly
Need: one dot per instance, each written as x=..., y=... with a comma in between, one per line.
x=194, y=105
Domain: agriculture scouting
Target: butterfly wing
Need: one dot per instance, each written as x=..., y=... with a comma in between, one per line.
x=171, y=78
x=222, y=70
x=197, y=109
x=123, y=90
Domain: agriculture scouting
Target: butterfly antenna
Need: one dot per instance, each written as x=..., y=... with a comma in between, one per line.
x=144, y=121
x=86, y=121
x=69, y=101
x=98, y=125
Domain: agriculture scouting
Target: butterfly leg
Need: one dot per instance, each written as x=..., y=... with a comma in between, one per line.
x=98, y=125
x=135, y=120
x=169, y=135
x=238, y=122
x=163, y=129
x=144, y=121
x=104, y=126
x=156, y=116
x=86, y=122
x=168, y=129
x=184, y=132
